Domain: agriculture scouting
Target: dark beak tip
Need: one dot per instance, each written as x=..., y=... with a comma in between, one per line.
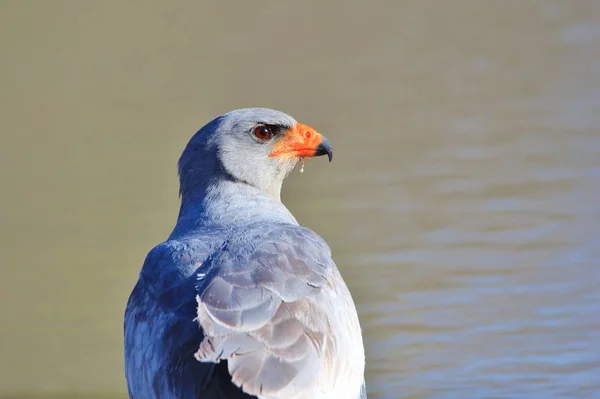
x=325, y=149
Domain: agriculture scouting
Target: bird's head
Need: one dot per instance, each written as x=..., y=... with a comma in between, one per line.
x=254, y=146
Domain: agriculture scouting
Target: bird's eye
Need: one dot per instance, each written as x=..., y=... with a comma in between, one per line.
x=263, y=132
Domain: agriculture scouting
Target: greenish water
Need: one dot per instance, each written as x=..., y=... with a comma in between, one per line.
x=462, y=204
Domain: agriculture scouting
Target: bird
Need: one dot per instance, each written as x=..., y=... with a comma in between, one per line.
x=241, y=301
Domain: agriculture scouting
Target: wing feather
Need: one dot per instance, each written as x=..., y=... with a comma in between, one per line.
x=257, y=307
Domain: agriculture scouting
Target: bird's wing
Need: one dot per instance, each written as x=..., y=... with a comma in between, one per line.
x=257, y=307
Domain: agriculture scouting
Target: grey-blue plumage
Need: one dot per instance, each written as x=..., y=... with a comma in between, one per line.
x=241, y=301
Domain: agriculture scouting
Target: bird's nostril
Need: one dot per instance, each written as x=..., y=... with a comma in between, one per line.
x=307, y=134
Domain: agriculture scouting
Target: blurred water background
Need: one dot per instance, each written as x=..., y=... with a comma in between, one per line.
x=463, y=204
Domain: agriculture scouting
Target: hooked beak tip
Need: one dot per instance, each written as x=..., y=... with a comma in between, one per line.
x=324, y=148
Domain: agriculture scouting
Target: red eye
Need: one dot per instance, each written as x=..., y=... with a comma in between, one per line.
x=263, y=132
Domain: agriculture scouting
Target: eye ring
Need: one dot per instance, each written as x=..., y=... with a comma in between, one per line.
x=263, y=132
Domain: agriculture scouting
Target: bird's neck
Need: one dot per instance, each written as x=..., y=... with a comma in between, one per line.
x=229, y=204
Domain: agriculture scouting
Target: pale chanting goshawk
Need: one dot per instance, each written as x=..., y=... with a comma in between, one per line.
x=241, y=301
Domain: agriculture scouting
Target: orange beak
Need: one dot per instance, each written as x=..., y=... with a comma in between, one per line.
x=302, y=141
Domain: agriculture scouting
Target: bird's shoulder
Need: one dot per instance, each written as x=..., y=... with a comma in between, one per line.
x=248, y=253
x=261, y=253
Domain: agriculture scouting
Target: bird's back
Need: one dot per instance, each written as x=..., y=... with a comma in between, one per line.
x=162, y=333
